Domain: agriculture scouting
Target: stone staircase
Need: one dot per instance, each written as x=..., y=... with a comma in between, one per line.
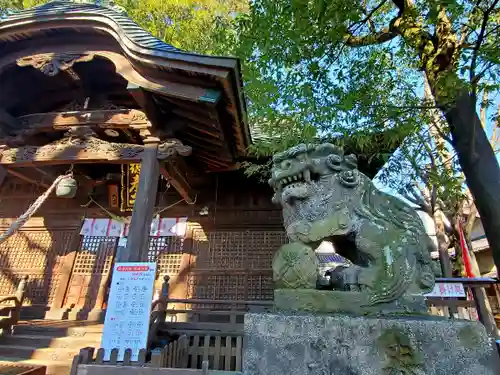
x=49, y=343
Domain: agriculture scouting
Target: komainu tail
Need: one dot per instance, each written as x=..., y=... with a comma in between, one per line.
x=392, y=287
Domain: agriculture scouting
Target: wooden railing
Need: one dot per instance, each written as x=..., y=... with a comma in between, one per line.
x=174, y=359
x=173, y=355
x=9, y=368
x=209, y=317
x=221, y=352
x=9, y=315
x=158, y=312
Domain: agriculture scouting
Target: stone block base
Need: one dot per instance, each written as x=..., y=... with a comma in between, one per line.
x=333, y=301
x=94, y=315
x=57, y=314
x=344, y=345
x=97, y=315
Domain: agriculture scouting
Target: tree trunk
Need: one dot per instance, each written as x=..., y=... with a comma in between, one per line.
x=443, y=243
x=479, y=166
x=438, y=215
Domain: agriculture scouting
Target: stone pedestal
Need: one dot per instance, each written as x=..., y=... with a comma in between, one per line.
x=334, y=301
x=346, y=345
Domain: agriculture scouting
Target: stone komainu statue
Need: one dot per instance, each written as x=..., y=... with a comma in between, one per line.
x=325, y=197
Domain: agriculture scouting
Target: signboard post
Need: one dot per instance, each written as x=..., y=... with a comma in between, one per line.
x=129, y=308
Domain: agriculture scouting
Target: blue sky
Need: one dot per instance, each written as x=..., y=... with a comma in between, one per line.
x=492, y=110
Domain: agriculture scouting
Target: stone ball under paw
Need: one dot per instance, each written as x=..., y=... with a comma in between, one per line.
x=295, y=266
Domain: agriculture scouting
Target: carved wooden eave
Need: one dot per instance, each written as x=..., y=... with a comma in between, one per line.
x=104, y=119
x=180, y=80
x=52, y=64
x=86, y=148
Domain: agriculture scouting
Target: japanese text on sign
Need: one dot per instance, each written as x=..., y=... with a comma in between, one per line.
x=129, y=307
x=447, y=290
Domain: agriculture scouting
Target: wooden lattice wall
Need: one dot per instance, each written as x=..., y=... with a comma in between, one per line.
x=38, y=254
x=225, y=255
x=233, y=264
x=167, y=252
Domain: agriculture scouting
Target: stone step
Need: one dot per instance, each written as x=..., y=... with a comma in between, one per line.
x=59, y=324
x=83, y=331
x=50, y=343
x=40, y=341
x=35, y=353
x=53, y=367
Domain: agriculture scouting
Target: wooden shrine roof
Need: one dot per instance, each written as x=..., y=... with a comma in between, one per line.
x=116, y=65
x=195, y=98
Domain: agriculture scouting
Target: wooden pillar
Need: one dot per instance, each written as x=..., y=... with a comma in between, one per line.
x=138, y=235
x=3, y=174
x=484, y=310
x=496, y=287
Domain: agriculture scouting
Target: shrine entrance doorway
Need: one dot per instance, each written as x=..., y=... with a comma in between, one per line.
x=91, y=273
x=93, y=265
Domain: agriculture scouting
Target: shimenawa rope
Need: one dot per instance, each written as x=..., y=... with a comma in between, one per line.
x=21, y=220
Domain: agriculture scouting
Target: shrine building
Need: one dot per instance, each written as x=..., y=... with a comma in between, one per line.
x=148, y=131
x=155, y=139
x=118, y=147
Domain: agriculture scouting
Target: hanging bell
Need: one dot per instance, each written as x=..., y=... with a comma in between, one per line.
x=66, y=188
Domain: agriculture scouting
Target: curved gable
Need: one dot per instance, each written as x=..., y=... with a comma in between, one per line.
x=203, y=91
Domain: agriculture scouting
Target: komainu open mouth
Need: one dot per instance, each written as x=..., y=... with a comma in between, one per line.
x=296, y=186
x=301, y=177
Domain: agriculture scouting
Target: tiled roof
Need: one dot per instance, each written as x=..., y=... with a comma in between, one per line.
x=132, y=31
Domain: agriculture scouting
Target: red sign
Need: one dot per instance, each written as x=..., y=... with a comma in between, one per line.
x=132, y=268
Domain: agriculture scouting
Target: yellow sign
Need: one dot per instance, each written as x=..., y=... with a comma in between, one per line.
x=130, y=184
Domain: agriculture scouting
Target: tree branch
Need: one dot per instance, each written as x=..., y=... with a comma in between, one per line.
x=411, y=198
x=441, y=134
x=415, y=166
x=350, y=33
x=463, y=36
x=482, y=110
x=356, y=41
x=378, y=37
x=423, y=107
x=479, y=41
x=422, y=192
x=478, y=77
x=403, y=5
x=370, y=14
x=496, y=28
x=428, y=150
x=419, y=201
x=469, y=224
x=445, y=163
x=495, y=138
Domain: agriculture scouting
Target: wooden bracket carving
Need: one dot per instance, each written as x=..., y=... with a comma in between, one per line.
x=104, y=119
x=171, y=148
x=52, y=63
x=81, y=145
x=172, y=172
